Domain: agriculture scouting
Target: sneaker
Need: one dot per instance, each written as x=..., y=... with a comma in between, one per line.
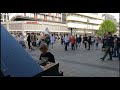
x=102, y=59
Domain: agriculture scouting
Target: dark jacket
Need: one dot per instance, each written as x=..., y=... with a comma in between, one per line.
x=84, y=38
x=28, y=38
x=89, y=39
x=109, y=41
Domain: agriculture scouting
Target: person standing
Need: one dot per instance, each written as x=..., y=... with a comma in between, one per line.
x=32, y=38
x=66, y=42
x=89, y=42
x=115, y=46
x=108, y=46
x=61, y=40
x=80, y=39
x=52, y=40
x=97, y=40
x=29, y=41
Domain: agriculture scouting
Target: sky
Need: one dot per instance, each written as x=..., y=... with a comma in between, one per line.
x=116, y=15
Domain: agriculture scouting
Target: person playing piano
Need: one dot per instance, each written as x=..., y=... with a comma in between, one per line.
x=45, y=55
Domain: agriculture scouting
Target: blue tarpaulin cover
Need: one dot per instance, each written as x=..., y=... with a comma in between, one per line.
x=15, y=61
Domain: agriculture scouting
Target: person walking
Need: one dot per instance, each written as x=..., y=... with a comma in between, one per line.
x=79, y=41
x=32, y=38
x=97, y=40
x=47, y=40
x=29, y=41
x=89, y=42
x=52, y=40
x=85, y=41
x=115, y=46
x=39, y=40
x=108, y=46
x=61, y=40
x=103, y=42
x=73, y=42
x=21, y=40
x=76, y=41
x=66, y=42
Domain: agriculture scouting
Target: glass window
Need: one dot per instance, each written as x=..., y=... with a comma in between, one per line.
x=8, y=17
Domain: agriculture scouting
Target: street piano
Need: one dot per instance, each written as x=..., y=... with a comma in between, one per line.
x=16, y=62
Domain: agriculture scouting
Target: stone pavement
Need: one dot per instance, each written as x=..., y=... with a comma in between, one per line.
x=81, y=62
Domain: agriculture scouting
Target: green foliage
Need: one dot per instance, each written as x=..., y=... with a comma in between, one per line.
x=107, y=26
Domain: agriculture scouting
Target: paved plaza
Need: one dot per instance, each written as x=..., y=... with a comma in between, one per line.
x=81, y=62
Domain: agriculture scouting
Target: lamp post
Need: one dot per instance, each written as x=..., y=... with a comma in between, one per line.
x=71, y=31
x=87, y=24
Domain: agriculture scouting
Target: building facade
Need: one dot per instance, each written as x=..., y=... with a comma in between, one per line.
x=50, y=17
x=34, y=22
x=109, y=17
x=4, y=17
x=26, y=27
x=83, y=22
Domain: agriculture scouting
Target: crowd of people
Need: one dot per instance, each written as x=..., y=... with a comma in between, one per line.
x=76, y=41
x=110, y=44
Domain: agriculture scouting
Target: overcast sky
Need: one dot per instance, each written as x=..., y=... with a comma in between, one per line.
x=114, y=14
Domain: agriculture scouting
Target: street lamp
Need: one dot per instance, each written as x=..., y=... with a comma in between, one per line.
x=87, y=24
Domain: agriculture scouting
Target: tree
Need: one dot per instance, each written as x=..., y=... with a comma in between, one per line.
x=107, y=26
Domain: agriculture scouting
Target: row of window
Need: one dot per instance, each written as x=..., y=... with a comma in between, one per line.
x=81, y=23
x=42, y=27
x=17, y=26
x=35, y=27
x=52, y=14
x=82, y=16
x=4, y=17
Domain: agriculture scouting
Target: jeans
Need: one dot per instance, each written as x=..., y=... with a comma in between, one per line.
x=116, y=51
x=66, y=44
x=96, y=45
x=76, y=45
x=52, y=45
x=73, y=46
